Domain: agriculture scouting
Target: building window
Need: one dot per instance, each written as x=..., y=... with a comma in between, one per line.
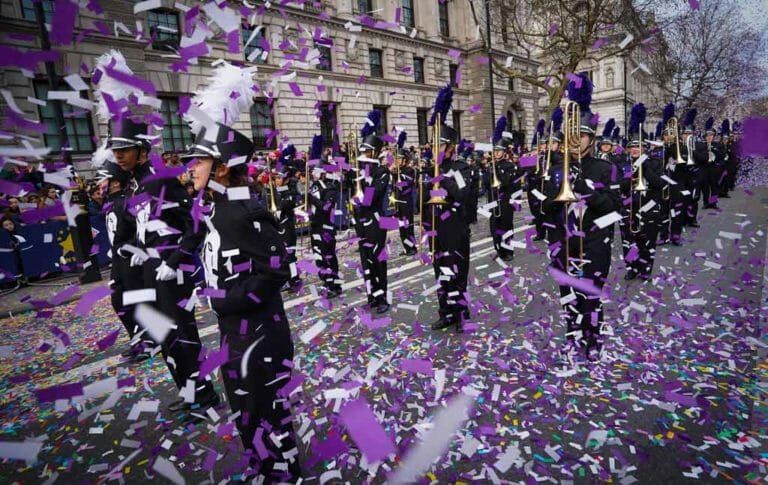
x=262, y=123
x=384, y=125
x=442, y=9
x=457, y=122
x=28, y=10
x=327, y=115
x=374, y=59
x=176, y=133
x=609, y=78
x=164, y=28
x=421, y=122
x=504, y=21
x=453, y=70
x=511, y=84
x=407, y=11
x=77, y=121
x=418, y=69
x=364, y=6
x=253, y=51
x=325, y=63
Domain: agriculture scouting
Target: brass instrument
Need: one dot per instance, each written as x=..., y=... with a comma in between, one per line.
x=273, y=209
x=395, y=180
x=689, y=146
x=639, y=186
x=566, y=195
x=436, y=200
x=353, y=155
x=547, y=164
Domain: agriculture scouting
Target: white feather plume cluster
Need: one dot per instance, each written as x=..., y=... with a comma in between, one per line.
x=102, y=155
x=224, y=99
x=106, y=84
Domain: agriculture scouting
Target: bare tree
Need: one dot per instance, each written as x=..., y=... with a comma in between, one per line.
x=563, y=34
x=711, y=58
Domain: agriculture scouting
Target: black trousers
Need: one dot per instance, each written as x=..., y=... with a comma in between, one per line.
x=665, y=219
x=452, y=254
x=627, y=238
x=182, y=345
x=404, y=212
x=125, y=278
x=645, y=240
x=534, y=205
x=324, y=249
x=289, y=226
x=583, y=314
x=677, y=214
x=264, y=410
x=471, y=206
x=372, y=240
x=696, y=185
x=710, y=184
x=501, y=225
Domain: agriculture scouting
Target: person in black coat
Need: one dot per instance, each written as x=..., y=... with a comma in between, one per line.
x=246, y=264
x=646, y=211
x=713, y=169
x=368, y=209
x=451, y=242
x=167, y=237
x=289, y=197
x=679, y=192
x=579, y=247
x=121, y=230
x=622, y=182
x=504, y=185
x=404, y=179
x=323, y=196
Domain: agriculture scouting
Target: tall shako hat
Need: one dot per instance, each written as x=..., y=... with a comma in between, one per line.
x=500, y=142
x=402, y=137
x=538, y=133
x=113, y=99
x=636, y=119
x=709, y=126
x=368, y=138
x=689, y=120
x=607, y=130
x=442, y=105
x=580, y=91
x=557, y=124
x=214, y=109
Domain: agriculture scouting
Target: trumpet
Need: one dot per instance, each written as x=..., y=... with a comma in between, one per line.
x=639, y=186
x=566, y=195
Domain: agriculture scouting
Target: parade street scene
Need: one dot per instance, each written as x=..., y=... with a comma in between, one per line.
x=383, y=241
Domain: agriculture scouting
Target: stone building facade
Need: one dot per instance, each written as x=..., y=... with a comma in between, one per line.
x=396, y=62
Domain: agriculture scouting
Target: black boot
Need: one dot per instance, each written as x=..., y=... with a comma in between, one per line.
x=441, y=323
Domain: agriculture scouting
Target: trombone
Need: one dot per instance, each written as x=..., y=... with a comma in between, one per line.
x=395, y=181
x=547, y=165
x=353, y=151
x=639, y=186
x=566, y=195
x=436, y=199
x=273, y=209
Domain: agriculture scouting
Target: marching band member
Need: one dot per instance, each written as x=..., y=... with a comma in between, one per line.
x=245, y=257
x=373, y=180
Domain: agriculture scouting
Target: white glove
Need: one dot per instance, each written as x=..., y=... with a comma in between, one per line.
x=165, y=272
x=138, y=259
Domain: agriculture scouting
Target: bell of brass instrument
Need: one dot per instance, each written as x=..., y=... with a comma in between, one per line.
x=672, y=127
x=571, y=139
x=437, y=199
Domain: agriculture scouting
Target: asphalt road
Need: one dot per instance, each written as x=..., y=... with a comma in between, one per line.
x=679, y=397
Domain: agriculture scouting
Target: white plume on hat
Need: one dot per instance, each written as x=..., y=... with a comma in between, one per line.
x=223, y=100
x=115, y=89
x=102, y=155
